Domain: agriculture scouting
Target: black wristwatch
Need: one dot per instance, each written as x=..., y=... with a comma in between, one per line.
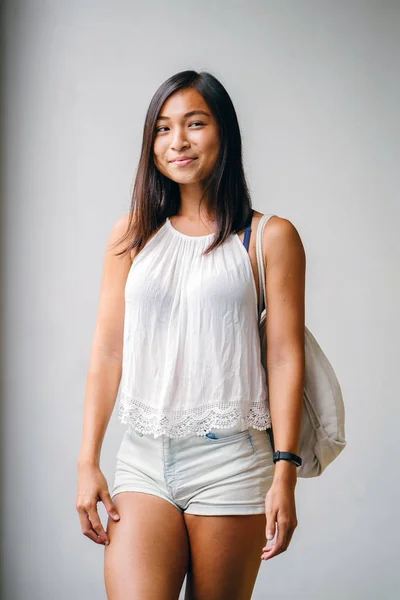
x=278, y=455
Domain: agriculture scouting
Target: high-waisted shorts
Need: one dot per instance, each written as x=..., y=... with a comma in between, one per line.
x=227, y=472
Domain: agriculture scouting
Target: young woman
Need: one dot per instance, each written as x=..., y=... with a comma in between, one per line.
x=196, y=491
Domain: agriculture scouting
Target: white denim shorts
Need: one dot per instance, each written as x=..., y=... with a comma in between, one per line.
x=227, y=472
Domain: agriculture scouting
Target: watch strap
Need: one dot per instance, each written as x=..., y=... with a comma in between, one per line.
x=279, y=455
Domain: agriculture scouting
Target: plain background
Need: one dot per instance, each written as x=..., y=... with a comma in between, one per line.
x=316, y=89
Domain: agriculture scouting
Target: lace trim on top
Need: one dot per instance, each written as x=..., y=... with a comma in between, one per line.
x=201, y=420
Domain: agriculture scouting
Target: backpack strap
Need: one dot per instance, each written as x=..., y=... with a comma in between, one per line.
x=262, y=299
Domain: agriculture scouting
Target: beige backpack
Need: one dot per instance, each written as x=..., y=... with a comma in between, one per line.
x=322, y=435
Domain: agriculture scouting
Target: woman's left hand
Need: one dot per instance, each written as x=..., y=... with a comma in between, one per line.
x=280, y=511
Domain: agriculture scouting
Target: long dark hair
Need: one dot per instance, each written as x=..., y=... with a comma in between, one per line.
x=156, y=197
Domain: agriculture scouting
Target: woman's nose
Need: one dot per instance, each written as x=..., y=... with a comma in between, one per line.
x=178, y=139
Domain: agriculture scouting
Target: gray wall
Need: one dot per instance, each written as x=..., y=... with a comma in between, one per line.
x=314, y=84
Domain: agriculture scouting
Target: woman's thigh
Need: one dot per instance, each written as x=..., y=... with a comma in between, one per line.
x=225, y=556
x=148, y=553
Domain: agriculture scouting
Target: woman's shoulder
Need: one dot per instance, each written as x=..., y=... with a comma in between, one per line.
x=279, y=234
x=120, y=225
x=275, y=223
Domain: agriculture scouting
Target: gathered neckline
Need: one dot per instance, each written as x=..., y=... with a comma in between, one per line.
x=185, y=235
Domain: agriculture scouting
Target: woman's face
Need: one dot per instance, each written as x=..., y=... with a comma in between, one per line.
x=179, y=134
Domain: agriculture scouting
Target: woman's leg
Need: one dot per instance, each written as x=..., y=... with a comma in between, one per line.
x=148, y=554
x=225, y=556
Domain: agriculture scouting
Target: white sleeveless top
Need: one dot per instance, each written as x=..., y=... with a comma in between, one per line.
x=191, y=353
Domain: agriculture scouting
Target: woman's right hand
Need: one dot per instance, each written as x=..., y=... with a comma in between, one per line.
x=93, y=488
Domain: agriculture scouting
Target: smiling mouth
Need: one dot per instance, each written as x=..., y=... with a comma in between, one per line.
x=182, y=163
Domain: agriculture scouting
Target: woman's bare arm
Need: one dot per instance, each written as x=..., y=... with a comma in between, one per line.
x=105, y=366
x=285, y=289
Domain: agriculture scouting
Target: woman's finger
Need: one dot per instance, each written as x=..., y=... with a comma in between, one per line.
x=279, y=545
x=86, y=527
x=96, y=524
x=270, y=527
x=109, y=504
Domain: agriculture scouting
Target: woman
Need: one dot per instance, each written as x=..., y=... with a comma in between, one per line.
x=196, y=491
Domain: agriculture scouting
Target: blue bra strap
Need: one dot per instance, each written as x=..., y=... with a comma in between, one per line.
x=247, y=233
x=246, y=238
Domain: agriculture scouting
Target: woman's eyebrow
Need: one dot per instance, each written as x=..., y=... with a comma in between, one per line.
x=188, y=114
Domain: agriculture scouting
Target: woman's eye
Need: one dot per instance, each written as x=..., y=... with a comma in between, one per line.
x=158, y=129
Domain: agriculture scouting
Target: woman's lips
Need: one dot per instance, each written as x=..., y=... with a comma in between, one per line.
x=183, y=163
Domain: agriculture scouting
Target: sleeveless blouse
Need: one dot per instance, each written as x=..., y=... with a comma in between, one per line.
x=191, y=345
